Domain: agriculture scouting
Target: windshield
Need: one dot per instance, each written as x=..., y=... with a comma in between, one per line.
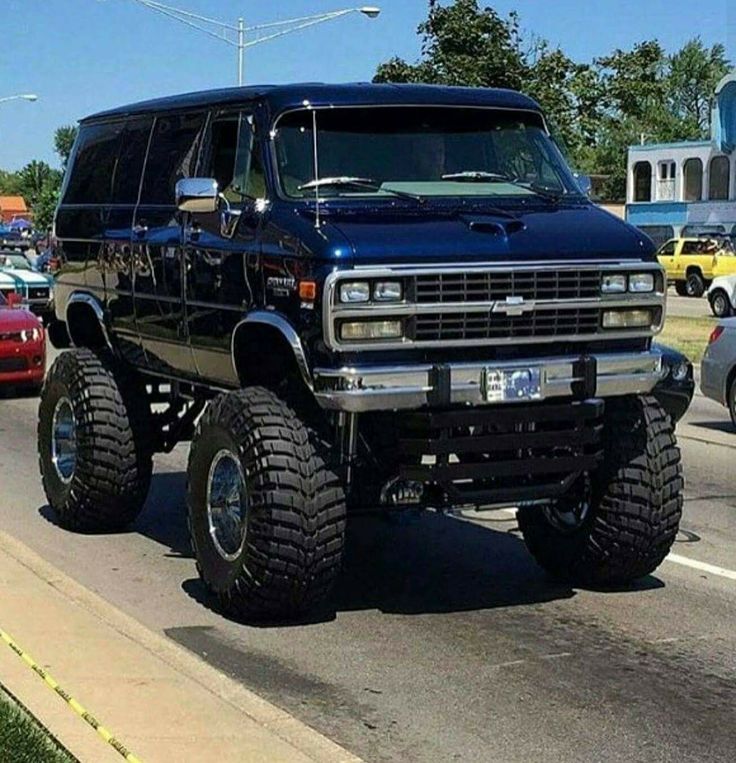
x=15, y=261
x=427, y=151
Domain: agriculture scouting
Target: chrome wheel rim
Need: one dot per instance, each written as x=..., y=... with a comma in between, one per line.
x=64, y=440
x=569, y=513
x=720, y=305
x=227, y=504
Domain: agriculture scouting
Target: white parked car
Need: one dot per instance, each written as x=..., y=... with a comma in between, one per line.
x=36, y=289
x=722, y=296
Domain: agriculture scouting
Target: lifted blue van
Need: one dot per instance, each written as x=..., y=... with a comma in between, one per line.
x=350, y=298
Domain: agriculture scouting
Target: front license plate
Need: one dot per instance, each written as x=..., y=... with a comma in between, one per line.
x=509, y=384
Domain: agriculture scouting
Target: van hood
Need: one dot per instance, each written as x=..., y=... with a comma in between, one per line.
x=482, y=235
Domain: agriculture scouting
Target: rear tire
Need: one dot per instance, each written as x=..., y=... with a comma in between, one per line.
x=720, y=304
x=272, y=548
x=681, y=288
x=634, y=508
x=695, y=285
x=94, y=445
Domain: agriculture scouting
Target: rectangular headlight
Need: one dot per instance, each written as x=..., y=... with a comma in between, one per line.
x=355, y=291
x=367, y=330
x=613, y=283
x=641, y=282
x=626, y=319
x=387, y=291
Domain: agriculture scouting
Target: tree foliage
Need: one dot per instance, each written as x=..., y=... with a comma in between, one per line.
x=64, y=138
x=39, y=183
x=596, y=109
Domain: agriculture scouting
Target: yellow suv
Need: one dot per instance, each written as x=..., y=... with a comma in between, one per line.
x=692, y=263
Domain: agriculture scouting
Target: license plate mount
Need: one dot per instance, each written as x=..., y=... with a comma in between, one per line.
x=507, y=385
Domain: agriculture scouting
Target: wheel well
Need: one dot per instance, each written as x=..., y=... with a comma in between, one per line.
x=693, y=269
x=274, y=356
x=83, y=326
x=729, y=381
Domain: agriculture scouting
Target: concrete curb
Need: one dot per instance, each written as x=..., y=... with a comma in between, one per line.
x=278, y=722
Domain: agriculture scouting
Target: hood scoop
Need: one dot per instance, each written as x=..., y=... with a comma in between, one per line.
x=494, y=226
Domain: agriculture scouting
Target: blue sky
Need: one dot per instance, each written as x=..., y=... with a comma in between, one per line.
x=84, y=55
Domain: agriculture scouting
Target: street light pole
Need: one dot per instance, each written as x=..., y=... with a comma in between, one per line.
x=223, y=31
x=241, y=50
x=22, y=97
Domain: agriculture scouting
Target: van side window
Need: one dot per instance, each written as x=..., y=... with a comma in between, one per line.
x=235, y=158
x=172, y=156
x=130, y=162
x=93, y=164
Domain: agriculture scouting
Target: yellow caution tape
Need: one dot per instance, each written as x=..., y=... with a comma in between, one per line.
x=78, y=709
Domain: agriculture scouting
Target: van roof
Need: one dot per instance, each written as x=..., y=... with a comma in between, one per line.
x=283, y=97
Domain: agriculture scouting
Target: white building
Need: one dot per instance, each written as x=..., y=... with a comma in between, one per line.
x=687, y=188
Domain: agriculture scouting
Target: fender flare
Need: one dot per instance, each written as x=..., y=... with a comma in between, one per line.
x=288, y=332
x=84, y=298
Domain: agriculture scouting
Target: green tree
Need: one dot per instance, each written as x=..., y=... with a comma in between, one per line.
x=463, y=44
x=34, y=178
x=45, y=206
x=64, y=138
x=694, y=72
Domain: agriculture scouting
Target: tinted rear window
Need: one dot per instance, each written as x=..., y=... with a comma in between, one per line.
x=172, y=156
x=130, y=163
x=93, y=165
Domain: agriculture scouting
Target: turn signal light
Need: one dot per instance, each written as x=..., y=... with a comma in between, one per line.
x=307, y=291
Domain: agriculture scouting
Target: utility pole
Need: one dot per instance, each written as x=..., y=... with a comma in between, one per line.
x=241, y=49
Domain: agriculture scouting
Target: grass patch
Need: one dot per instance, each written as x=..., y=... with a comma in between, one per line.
x=23, y=739
x=688, y=335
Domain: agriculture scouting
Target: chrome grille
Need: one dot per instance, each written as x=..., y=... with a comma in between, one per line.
x=38, y=292
x=488, y=286
x=459, y=326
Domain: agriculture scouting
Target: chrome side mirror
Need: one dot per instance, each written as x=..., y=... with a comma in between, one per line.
x=198, y=195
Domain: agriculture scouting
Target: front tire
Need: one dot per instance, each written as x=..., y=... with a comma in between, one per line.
x=634, y=504
x=266, y=512
x=720, y=304
x=93, y=440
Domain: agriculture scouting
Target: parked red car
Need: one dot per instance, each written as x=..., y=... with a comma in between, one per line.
x=22, y=345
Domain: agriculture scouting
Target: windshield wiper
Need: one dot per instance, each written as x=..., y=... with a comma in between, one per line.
x=479, y=176
x=355, y=182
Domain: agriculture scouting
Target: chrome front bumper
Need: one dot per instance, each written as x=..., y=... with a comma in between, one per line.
x=385, y=388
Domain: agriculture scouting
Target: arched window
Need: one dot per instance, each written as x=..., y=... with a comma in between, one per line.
x=692, y=172
x=642, y=181
x=718, y=183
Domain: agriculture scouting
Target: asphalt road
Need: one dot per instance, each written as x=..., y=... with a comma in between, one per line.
x=687, y=307
x=447, y=642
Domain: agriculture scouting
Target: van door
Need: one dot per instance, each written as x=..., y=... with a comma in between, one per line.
x=666, y=257
x=117, y=259
x=158, y=276
x=221, y=255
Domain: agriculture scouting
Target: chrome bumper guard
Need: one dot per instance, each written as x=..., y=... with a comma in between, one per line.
x=384, y=388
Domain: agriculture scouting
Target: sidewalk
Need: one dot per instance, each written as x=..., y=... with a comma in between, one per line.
x=161, y=702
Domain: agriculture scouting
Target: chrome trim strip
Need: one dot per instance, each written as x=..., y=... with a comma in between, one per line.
x=380, y=388
x=332, y=309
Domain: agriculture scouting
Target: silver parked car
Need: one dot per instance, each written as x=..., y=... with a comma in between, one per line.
x=718, y=369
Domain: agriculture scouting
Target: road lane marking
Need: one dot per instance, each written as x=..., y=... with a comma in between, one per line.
x=685, y=561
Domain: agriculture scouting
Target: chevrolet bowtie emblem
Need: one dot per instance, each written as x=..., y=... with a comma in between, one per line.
x=513, y=306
